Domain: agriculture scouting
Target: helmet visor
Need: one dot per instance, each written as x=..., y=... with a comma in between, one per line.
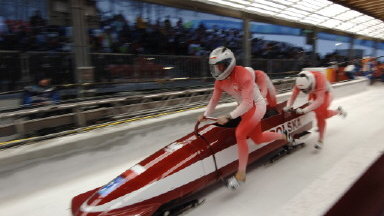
x=219, y=67
x=303, y=83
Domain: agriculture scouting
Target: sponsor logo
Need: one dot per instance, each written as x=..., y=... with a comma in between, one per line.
x=290, y=126
x=111, y=186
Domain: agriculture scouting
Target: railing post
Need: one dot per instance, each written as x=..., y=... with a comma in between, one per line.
x=20, y=129
x=204, y=66
x=24, y=63
x=80, y=119
x=269, y=66
x=246, y=43
x=80, y=39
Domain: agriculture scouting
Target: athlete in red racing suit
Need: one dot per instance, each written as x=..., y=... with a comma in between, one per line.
x=317, y=87
x=239, y=82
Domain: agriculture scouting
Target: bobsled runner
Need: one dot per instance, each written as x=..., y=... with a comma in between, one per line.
x=204, y=157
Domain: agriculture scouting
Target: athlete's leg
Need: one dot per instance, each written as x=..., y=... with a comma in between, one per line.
x=267, y=136
x=258, y=136
x=271, y=99
x=249, y=122
x=327, y=112
x=321, y=124
x=322, y=113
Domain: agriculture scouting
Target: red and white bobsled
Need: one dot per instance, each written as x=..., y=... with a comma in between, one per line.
x=182, y=168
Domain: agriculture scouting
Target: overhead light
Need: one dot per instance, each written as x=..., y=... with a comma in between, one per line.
x=285, y=2
x=265, y=7
x=311, y=20
x=294, y=10
x=314, y=4
x=308, y=21
x=168, y=68
x=364, y=31
x=228, y=3
x=317, y=3
x=332, y=10
x=258, y=10
x=289, y=17
x=289, y=13
x=318, y=17
x=361, y=19
x=330, y=23
x=246, y=3
x=373, y=22
x=306, y=6
x=347, y=15
x=269, y=3
x=346, y=25
x=358, y=28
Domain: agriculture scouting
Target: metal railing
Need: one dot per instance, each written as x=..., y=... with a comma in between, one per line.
x=127, y=66
x=48, y=121
x=18, y=69
x=277, y=67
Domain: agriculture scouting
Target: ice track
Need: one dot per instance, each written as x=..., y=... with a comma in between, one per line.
x=305, y=183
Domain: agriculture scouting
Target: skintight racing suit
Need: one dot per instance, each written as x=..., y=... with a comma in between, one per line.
x=266, y=87
x=240, y=84
x=320, y=98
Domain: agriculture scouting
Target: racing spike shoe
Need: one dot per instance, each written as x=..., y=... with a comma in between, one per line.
x=342, y=112
x=289, y=138
x=319, y=145
x=233, y=183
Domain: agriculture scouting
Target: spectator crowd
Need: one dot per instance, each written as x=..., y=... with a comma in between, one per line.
x=116, y=34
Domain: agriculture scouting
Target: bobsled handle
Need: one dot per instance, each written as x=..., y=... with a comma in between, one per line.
x=218, y=173
x=210, y=118
x=198, y=123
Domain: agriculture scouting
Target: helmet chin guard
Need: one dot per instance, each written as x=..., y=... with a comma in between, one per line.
x=305, y=81
x=221, y=63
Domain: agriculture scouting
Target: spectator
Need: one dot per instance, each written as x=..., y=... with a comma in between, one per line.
x=36, y=20
x=40, y=94
x=3, y=26
x=367, y=67
x=352, y=69
x=378, y=71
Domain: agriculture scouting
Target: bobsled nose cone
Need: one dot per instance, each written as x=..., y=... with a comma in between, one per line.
x=78, y=200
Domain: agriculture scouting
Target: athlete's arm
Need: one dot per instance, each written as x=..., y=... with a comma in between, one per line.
x=271, y=95
x=320, y=90
x=262, y=83
x=214, y=99
x=247, y=93
x=292, y=99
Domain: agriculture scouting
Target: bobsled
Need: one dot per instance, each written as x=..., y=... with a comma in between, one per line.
x=184, y=167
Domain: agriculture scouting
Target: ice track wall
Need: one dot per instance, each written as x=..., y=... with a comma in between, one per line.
x=13, y=158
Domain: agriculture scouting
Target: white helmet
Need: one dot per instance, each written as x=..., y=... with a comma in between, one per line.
x=305, y=81
x=221, y=55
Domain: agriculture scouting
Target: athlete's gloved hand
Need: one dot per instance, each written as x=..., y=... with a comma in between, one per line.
x=201, y=118
x=287, y=109
x=222, y=119
x=300, y=111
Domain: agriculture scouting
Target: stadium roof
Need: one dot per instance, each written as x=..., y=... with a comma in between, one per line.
x=321, y=13
x=374, y=8
x=361, y=18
